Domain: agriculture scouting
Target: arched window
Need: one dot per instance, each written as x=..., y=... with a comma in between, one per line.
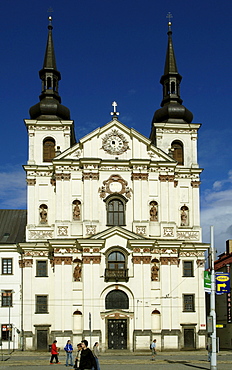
x=115, y=212
x=48, y=149
x=173, y=88
x=178, y=152
x=117, y=299
x=116, y=261
x=116, y=267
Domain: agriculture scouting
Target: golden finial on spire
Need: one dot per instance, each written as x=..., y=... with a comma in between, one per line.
x=169, y=16
x=50, y=10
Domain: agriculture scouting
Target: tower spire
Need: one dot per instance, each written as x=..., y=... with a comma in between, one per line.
x=49, y=107
x=172, y=109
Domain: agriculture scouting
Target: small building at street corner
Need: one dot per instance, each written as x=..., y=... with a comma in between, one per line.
x=223, y=301
x=113, y=250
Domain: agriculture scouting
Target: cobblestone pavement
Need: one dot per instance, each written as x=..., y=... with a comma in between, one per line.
x=121, y=361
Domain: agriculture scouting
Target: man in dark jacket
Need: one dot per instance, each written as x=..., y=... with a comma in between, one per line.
x=87, y=361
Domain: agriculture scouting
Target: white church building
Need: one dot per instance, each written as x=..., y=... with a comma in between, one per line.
x=113, y=250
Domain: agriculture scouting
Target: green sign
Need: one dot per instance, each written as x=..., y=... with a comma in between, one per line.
x=207, y=281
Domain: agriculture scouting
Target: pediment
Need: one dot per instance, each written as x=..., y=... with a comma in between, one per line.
x=119, y=231
x=114, y=141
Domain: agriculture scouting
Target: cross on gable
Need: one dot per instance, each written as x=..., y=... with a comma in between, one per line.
x=114, y=113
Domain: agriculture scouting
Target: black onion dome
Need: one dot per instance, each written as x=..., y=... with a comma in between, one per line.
x=49, y=107
x=172, y=109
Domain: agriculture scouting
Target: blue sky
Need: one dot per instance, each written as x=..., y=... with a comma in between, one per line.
x=115, y=50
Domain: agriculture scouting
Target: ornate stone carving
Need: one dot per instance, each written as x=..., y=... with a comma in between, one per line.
x=153, y=211
x=93, y=259
x=164, y=260
x=31, y=182
x=141, y=230
x=164, y=178
x=192, y=254
x=139, y=259
x=115, y=142
x=59, y=260
x=40, y=234
x=91, y=229
x=96, y=250
x=139, y=176
x=168, y=231
x=188, y=235
x=136, y=250
x=77, y=272
x=195, y=184
x=43, y=213
x=53, y=181
x=90, y=176
x=115, y=185
x=63, y=176
x=155, y=272
x=76, y=210
x=200, y=263
x=28, y=262
x=62, y=230
x=174, y=261
x=184, y=216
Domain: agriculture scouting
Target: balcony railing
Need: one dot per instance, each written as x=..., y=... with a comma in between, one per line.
x=116, y=275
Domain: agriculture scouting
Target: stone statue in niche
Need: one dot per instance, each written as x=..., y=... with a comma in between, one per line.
x=43, y=212
x=154, y=272
x=184, y=216
x=153, y=211
x=77, y=272
x=76, y=210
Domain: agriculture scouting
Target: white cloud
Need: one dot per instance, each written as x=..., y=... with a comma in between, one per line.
x=217, y=211
x=12, y=188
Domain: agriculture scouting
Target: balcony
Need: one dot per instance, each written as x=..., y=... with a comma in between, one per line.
x=116, y=275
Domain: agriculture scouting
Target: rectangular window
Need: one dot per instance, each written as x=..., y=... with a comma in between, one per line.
x=7, y=298
x=41, y=305
x=188, y=268
x=41, y=268
x=6, y=331
x=7, y=266
x=188, y=303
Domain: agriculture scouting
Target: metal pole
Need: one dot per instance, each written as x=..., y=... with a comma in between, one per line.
x=9, y=329
x=213, y=358
x=22, y=313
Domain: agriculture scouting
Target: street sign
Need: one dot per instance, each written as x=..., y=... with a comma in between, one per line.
x=207, y=281
x=222, y=282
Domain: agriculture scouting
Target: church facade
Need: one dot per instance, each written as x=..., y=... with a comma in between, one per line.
x=113, y=249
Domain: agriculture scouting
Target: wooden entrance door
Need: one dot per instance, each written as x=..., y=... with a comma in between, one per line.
x=117, y=334
x=189, y=341
x=42, y=340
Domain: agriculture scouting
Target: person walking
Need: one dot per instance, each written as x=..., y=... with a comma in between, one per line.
x=153, y=349
x=87, y=361
x=69, y=350
x=54, y=353
x=78, y=357
x=96, y=354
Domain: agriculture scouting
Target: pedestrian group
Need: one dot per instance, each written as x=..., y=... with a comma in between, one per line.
x=85, y=358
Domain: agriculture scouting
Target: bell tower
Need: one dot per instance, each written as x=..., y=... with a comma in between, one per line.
x=172, y=128
x=50, y=132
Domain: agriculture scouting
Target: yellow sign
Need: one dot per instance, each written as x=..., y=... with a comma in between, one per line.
x=222, y=278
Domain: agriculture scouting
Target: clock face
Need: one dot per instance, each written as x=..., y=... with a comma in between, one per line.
x=114, y=143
